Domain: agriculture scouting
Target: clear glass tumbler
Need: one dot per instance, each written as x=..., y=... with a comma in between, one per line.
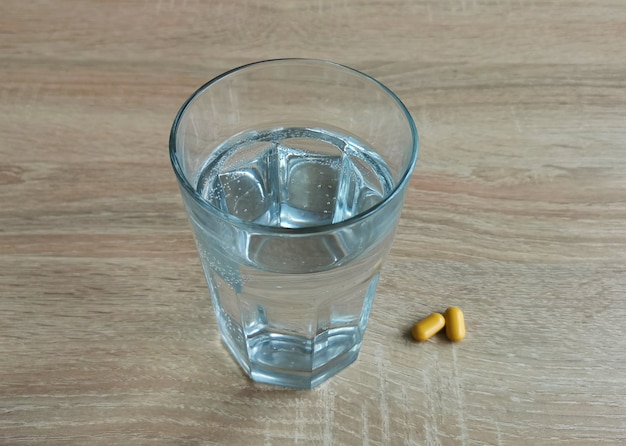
x=293, y=174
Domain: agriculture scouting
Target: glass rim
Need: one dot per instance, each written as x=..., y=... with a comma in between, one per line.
x=182, y=179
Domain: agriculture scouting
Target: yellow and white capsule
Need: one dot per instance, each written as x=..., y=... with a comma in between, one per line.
x=455, y=324
x=428, y=327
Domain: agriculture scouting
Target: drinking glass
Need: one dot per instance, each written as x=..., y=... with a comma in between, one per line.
x=293, y=174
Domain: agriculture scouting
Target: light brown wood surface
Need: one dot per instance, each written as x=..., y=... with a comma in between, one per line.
x=516, y=213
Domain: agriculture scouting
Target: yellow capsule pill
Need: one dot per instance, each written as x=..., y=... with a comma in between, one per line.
x=428, y=327
x=455, y=324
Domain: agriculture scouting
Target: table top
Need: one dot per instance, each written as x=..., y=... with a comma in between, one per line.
x=516, y=213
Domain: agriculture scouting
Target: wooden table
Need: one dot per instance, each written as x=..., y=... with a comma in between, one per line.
x=516, y=213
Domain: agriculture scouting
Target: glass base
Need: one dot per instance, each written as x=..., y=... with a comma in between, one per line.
x=290, y=361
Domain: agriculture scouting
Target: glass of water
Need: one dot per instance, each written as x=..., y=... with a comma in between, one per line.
x=293, y=174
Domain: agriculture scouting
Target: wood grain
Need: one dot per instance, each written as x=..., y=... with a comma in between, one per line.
x=516, y=213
